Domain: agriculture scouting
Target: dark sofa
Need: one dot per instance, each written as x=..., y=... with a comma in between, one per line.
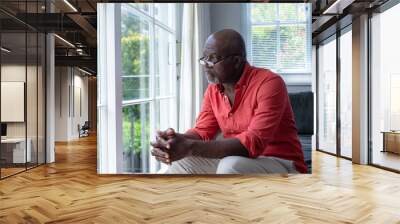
x=303, y=109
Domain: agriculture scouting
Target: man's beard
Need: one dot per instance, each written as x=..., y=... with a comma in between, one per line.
x=212, y=79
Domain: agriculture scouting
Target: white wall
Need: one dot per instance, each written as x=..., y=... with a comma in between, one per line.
x=61, y=103
x=70, y=83
x=227, y=16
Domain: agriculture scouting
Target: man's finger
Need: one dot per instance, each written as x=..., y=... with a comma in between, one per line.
x=162, y=142
x=170, y=132
x=156, y=144
x=167, y=134
x=161, y=134
x=160, y=153
x=163, y=160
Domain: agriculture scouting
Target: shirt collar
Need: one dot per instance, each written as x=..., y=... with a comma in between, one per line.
x=245, y=76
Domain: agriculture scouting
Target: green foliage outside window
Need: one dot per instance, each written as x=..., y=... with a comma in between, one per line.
x=293, y=46
x=279, y=36
x=133, y=122
x=135, y=62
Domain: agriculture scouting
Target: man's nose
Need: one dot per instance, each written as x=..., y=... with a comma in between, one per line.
x=207, y=67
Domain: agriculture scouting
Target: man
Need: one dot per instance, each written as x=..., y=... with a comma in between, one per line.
x=249, y=105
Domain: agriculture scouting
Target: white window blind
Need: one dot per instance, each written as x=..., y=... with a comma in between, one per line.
x=280, y=36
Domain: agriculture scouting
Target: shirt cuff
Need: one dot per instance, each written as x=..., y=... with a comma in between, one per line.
x=251, y=142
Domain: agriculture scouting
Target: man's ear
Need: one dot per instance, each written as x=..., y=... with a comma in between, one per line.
x=238, y=62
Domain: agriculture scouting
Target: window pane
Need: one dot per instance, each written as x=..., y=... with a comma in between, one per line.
x=145, y=7
x=302, y=12
x=31, y=100
x=165, y=111
x=135, y=55
x=142, y=41
x=164, y=62
x=385, y=89
x=264, y=49
x=136, y=137
x=165, y=114
x=135, y=87
x=327, y=97
x=288, y=12
x=14, y=155
x=41, y=99
x=281, y=37
x=263, y=13
x=346, y=94
x=164, y=13
x=293, y=47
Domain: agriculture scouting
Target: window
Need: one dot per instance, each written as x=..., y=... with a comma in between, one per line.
x=22, y=93
x=385, y=89
x=148, y=80
x=280, y=37
x=334, y=57
x=346, y=93
x=327, y=96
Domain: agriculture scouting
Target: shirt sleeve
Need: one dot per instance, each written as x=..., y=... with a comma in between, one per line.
x=272, y=98
x=206, y=123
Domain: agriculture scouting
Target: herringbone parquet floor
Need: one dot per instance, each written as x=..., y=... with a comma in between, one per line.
x=70, y=191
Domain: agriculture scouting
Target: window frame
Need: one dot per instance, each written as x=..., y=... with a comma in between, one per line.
x=332, y=39
x=154, y=98
x=337, y=38
x=299, y=77
x=373, y=35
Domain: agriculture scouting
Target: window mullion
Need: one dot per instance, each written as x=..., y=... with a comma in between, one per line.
x=249, y=31
x=163, y=26
x=309, y=39
x=153, y=94
x=278, y=40
x=136, y=101
x=141, y=14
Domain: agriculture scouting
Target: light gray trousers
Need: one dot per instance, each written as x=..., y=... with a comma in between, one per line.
x=232, y=165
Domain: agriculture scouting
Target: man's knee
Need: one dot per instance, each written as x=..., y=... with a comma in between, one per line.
x=193, y=165
x=232, y=165
x=183, y=166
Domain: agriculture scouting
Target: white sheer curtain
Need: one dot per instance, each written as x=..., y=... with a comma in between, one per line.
x=195, y=30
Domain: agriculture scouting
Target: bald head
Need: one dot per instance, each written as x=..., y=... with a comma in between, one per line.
x=226, y=49
x=227, y=41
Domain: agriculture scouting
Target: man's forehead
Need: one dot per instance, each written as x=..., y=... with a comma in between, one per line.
x=212, y=47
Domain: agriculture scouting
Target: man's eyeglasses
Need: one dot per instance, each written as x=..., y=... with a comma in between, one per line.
x=212, y=60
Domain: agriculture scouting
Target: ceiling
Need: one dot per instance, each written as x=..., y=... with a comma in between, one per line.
x=74, y=21
x=330, y=15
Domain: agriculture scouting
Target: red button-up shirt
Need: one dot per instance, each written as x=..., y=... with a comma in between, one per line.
x=261, y=116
